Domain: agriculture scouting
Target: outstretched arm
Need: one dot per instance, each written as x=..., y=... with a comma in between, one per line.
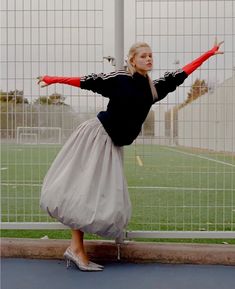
x=171, y=80
x=100, y=83
x=189, y=68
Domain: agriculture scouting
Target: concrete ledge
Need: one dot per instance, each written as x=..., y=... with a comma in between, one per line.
x=129, y=251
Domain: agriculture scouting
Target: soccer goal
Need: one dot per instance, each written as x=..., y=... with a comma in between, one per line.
x=38, y=135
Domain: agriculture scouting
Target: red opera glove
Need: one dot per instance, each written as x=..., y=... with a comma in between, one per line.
x=189, y=68
x=74, y=81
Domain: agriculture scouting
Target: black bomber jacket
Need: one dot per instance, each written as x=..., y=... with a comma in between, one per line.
x=130, y=100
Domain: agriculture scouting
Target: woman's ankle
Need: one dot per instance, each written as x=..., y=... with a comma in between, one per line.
x=76, y=249
x=79, y=253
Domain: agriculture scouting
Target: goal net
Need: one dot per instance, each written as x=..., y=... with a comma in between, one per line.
x=38, y=135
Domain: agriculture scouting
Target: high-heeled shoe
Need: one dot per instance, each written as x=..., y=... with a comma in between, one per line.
x=70, y=252
x=69, y=256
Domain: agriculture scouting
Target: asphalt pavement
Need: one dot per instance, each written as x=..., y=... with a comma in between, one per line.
x=17, y=273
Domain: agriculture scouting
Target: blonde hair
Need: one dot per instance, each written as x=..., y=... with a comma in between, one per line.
x=132, y=69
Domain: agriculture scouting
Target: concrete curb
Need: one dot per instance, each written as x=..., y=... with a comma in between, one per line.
x=137, y=252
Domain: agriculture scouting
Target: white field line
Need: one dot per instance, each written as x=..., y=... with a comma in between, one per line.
x=180, y=188
x=20, y=184
x=200, y=157
x=141, y=187
x=139, y=161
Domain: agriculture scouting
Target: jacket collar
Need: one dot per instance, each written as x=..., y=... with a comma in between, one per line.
x=139, y=76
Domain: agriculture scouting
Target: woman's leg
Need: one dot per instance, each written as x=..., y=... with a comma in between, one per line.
x=77, y=245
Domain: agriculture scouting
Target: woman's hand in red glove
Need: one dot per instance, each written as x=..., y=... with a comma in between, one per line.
x=217, y=47
x=190, y=67
x=41, y=82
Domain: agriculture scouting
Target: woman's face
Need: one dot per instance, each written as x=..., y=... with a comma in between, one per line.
x=143, y=60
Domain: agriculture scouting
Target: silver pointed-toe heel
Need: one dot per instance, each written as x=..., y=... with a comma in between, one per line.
x=96, y=265
x=70, y=256
x=68, y=263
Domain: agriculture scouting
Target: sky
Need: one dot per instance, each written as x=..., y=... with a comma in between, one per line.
x=71, y=37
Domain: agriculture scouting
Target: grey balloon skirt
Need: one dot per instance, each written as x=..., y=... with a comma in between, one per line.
x=85, y=187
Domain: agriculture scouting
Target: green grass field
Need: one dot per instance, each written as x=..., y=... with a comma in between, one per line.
x=171, y=188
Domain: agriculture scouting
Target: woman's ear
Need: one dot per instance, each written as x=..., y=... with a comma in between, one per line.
x=132, y=62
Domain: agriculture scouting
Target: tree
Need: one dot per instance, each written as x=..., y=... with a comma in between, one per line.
x=198, y=88
x=13, y=107
x=3, y=96
x=55, y=99
x=44, y=100
x=14, y=96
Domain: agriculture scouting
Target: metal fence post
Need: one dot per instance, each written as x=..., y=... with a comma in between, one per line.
x=119, y=34
x=119, y=59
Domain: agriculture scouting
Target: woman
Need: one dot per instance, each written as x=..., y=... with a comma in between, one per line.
x=85, y=187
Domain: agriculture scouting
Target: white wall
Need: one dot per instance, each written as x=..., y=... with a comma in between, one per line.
x=209, y=121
